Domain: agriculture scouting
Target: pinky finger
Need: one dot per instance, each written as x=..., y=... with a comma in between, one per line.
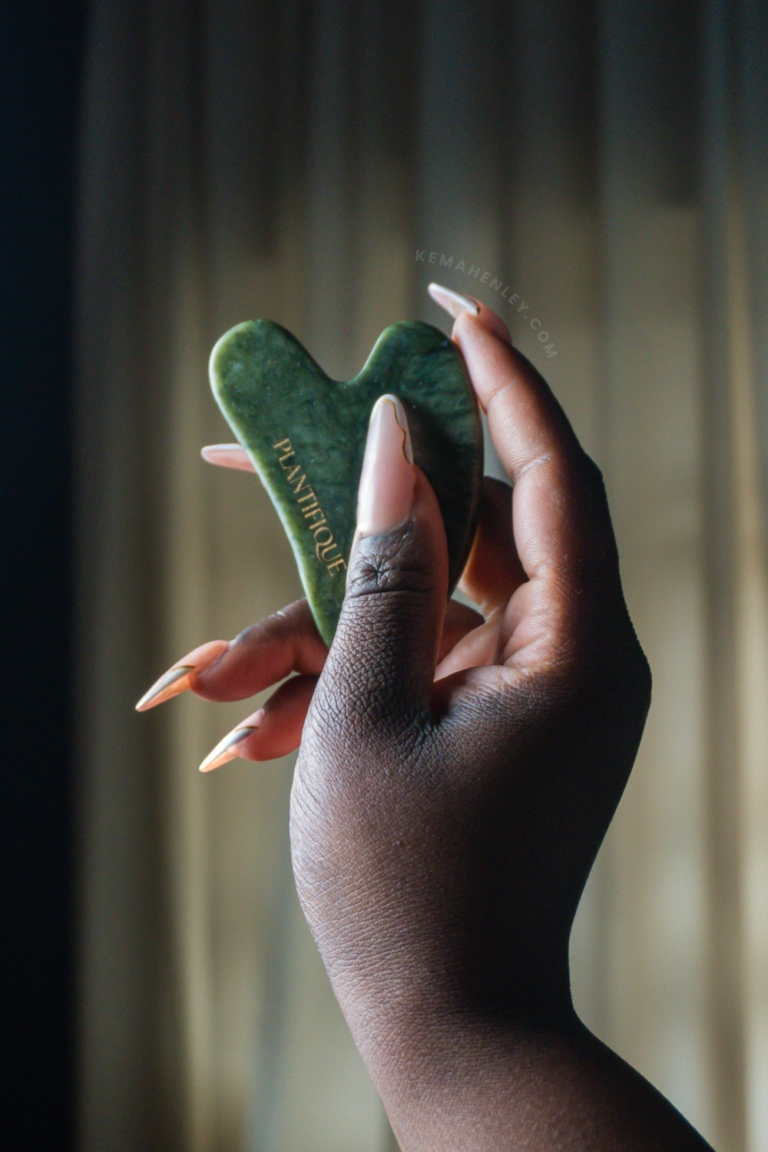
x=272, y=732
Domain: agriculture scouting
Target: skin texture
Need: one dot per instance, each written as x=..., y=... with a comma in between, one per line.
x=443, y=828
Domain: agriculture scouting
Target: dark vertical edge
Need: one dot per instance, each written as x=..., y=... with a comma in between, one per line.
x=41, y=46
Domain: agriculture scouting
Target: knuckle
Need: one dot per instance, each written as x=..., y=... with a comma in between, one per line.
x=587, y=482
x=291, y=617
x=612, y=668
x=390, y=563
x=592, y=473
x=639, y=674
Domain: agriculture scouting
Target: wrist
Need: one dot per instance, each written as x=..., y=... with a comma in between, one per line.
x=419, y=1019
x=458, y=1081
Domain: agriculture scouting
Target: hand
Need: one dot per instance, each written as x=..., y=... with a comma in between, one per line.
x=457, y=775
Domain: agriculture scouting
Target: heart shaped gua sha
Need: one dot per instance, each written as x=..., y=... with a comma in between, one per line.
x=305, y=434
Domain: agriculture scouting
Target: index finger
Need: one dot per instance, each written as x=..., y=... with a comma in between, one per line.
x=560, y=516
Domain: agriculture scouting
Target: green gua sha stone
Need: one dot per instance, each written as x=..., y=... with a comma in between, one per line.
x=305, y=434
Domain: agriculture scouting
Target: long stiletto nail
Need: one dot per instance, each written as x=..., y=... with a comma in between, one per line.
x=177, y=679
x=229, y=748
x=388, y=477
x=455, y=304
x=228, y=456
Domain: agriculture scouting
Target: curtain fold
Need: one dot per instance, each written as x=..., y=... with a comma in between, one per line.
x=597, y=174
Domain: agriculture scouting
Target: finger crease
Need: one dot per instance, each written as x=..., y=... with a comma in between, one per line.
x=543, y=459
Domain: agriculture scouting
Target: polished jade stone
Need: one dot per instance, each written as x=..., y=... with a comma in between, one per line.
x=305, y=434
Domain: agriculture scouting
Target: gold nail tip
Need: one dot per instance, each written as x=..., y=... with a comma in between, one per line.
x=168, y=680
x=227, y=456
x=453, y=302
x=227, y=749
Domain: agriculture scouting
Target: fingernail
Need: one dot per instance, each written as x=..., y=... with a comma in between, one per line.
x=456, y=304
x=453, y=302
x=387, y=480
x=177, y=679
x=229, y=748
x=228, y=456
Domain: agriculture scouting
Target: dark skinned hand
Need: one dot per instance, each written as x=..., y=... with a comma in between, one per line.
x=456, y=777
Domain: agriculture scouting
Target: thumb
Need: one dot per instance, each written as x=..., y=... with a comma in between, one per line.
x=382, y=660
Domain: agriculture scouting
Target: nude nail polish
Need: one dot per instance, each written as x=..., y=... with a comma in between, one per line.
x=228, y=456
x=229, y=748
x=455, y=304
x=177, y=679
x=388, y=477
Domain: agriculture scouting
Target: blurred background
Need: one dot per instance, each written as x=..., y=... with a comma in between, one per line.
x=598, y=174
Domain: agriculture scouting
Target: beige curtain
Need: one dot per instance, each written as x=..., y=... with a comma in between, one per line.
x=598, y=174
